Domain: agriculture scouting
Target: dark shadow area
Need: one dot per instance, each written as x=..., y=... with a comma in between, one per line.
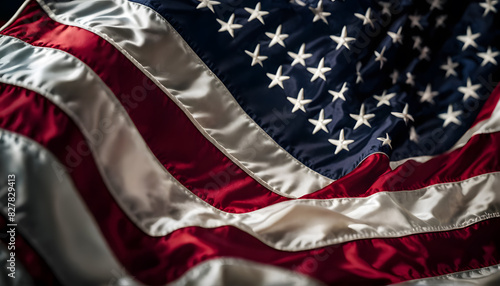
x=8, y=9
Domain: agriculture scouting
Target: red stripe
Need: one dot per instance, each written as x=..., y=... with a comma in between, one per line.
x=36, y=267
x=158, y=260
x=207, y=172
x=458, y=165
x=489, y=105
x=363, y=262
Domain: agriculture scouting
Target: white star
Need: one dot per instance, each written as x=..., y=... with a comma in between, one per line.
x=385, y=7
x=428, y=95
x=396, y=37
x=207, y=3
x=343, y=40
x=415, y=21
x=394, y=76
x=404, y=115
x=424, y=54
x=450, y=116
x=339, y=94
x=362, y=118
x=278, y=78
x=321, y=123
x=299, y=102
x=385, y=141
x=298, y=2
x=417, y=42
x=320, y=71
x=359, y=77
x=449, y=67
x=366, y=17
x=229, y=26
x=469, y=90
x=488, y=6
x=256, y=58
x=341, y=143
x=413, y=135
x=319, y=14
x=379, y=57
x=488, y=57
x=440, y=21
x=277, y=38
x=256, y=13
x=410, y=79
x=384, y=98
x=300, y=57
x=435, y=4
x=469, y=39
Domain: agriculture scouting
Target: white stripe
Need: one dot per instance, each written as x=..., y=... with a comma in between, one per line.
x=52, y=217
x=309, y=224
x=158, y=204
x=230, y=271
x=487, y=276
x=160, y=52
x=490, y=125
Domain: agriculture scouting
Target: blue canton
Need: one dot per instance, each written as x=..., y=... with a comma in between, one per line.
x=335, y=81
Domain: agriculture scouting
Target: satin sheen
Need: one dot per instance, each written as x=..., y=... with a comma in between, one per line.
x=230, y=271
x=52, y=216
x=330, y=190
x=227, y=271
x=486, y=276
x=168, y=206
x=249, y=85
x=158, y=260
x=193, y=86
x=379, y=261
x=347, y=187
x=180, y=148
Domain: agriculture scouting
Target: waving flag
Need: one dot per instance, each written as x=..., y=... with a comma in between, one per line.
x=243, y=142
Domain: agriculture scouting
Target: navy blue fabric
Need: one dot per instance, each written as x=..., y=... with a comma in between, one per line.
x=270, y=108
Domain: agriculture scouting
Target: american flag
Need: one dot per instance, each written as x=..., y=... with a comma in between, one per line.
x=246, y=142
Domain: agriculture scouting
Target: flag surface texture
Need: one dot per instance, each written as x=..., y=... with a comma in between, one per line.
x=247, y=142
